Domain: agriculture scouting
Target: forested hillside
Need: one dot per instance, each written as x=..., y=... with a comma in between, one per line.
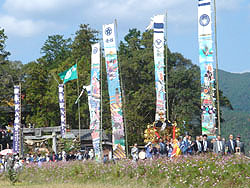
x=236, y=87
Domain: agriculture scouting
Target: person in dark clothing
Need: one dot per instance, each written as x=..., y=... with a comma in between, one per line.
x=231, y=145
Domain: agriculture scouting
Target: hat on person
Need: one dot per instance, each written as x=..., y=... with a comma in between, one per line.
x=238, y=136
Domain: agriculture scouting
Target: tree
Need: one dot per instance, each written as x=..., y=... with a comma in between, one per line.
x=55, y=50
x=3, y=53
x=41, y=78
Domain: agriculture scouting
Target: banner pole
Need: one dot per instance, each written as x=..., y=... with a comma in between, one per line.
x=217, y=78
x=65, y=107
x=79, y=115
x=166, y=28
x=101, y=150
x=20, y=128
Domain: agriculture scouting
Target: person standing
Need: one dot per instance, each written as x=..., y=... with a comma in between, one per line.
x=168, y=147
x=219, y=146
x=239, y=145
x=162, y=149
x=149, y=150
x=230, y=145
x=135, y=153
x=197, y=145
x=185, y=145
x=190, y=147
x=205, y=144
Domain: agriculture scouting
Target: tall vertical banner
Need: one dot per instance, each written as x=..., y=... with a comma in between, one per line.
x=94, y=99
x=158, y=40
x=206, y=66
x=62, y=109
x=114, y=91
x=17, y=121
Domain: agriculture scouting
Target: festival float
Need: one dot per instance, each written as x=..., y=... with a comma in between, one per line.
x=161, y=129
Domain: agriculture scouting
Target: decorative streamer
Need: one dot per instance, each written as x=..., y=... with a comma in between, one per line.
x=206, y=65
x=114, y=91
x=94, y=101
x=17, y=121
x=158, y=25
x=62, y=109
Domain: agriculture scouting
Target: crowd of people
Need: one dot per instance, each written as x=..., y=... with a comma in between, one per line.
x=188, y=146
x=16, y=162
x=163, y=148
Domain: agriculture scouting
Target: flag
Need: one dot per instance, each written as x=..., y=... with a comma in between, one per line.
x=95, y=102
x=62, y=109
x=17, y=121
x=114, y=90
x=150, y=26
x=158, y=40
x=206, y=58
x=69, y=74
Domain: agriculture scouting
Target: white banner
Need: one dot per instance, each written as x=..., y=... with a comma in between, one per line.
x=158, y=25
x=109, y=39
x=94, y=100
x=204, y=18
x=206, y=66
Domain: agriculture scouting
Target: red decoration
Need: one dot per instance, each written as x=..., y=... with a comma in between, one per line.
x=173, y=132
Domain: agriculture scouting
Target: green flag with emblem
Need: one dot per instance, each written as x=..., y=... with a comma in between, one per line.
x=69, y=74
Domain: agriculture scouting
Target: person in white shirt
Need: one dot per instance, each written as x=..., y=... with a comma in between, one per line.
x=134, y=153
x=206, y=145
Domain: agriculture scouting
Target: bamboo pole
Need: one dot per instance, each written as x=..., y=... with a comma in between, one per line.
x=166, y=28
x=20, y=128
x=101, y=149
x=217, y=78
x=78, y=103
x=65, y=107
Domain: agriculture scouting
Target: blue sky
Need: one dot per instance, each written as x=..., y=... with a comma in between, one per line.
x=28, y=23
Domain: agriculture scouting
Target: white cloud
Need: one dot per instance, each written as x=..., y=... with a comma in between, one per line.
x=23, y=28
x=136, y=13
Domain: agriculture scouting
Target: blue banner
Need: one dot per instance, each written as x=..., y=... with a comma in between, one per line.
x=17, y=121
x=62, y=109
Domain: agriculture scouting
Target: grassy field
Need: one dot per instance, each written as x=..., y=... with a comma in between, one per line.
x=197, y=171
x=65, y=185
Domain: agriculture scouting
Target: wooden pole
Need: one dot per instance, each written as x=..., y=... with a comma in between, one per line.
x=217, y=76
